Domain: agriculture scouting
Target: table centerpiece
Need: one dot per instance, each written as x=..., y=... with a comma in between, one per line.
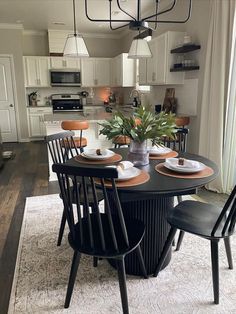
x=143, y=125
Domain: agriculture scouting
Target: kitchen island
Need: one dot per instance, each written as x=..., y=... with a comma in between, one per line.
x=94, y=140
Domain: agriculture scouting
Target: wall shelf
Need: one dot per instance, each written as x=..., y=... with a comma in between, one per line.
x=186, y=48
x=182, y=69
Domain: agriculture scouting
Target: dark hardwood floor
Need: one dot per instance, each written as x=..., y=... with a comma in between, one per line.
x=23, y=176
x=27, y=175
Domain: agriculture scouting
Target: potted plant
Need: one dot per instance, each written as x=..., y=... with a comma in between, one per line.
x=143, y=125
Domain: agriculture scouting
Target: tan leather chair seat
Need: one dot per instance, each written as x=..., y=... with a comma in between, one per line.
x=121, y=140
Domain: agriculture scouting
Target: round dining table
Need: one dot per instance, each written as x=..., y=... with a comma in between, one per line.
x=150, y=201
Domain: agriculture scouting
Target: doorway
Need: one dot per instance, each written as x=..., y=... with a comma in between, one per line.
x=7, y=103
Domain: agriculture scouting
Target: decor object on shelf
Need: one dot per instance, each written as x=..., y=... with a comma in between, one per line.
x=75, y=45
x=142, y=126
x=170, y=102
x=186, y=64
x=33, y=99
x=139, y=47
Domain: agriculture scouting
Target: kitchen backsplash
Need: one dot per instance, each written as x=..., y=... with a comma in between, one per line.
x=96, y=95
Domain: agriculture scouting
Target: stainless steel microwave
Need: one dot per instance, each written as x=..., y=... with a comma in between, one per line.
x=65, y=78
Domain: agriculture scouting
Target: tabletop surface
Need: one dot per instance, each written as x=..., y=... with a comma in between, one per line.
x=158, y=183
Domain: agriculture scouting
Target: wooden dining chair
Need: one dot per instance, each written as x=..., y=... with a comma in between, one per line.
x=179, y=144
x=121, y=140
x=77, y=125
x=102, y=234
x=206, y=221
x=62, y=147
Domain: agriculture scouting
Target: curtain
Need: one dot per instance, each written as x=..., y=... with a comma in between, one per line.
x=229, y=154
x=216, y=78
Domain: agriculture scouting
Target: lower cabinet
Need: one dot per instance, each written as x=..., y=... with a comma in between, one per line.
x=36, y=121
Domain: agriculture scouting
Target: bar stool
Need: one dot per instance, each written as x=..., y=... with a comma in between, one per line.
x=121, y=140
x=77, y=125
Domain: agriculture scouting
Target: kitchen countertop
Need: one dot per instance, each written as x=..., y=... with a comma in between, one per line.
x=92, y=117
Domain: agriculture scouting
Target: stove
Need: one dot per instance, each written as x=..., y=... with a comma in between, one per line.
x=66, y=102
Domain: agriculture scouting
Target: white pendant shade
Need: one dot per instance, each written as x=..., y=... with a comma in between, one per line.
x=139, y=49
x=75, y=47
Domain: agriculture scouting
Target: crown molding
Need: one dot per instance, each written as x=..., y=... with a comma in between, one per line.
x=10, y=26
x=34, y=32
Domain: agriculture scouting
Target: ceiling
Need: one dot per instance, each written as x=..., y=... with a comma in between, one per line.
x=41, y=15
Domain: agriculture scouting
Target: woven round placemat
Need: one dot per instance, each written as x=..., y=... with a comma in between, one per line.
x=198, y=175
x=110, y=160
x=171, y=154
x=140, y=179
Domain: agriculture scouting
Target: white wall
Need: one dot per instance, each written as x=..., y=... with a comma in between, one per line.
x=11, y=43
x=35, y=44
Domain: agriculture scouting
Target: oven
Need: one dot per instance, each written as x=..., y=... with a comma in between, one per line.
x=66, y=102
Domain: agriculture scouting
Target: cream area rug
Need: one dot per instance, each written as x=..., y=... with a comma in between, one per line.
x=42, y=271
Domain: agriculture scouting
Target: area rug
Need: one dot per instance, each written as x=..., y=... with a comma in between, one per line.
x=42, y=270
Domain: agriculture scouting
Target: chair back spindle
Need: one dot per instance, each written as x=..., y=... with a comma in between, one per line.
x=227, y=217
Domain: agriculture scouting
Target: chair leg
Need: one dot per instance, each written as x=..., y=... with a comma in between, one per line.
x=180, y=239
x=122, y=283
x=165, y=250
x=215, y=269
x=228, y=252
x=181, y=234
x=73, y=272
x=62, y=228
x=95, y=261
x=141, y=262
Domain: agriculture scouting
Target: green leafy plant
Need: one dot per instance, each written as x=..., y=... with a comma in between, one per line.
x=141, y=126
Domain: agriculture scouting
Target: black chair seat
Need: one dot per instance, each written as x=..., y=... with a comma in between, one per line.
x=135, y=230
x=198, y=218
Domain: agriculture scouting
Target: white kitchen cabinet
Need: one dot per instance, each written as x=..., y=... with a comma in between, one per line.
x=36, y=121
x=123, y=71
x=142, y=71
x=95, y=72
x=65, y=63
x=158, y=67
x=36, y=71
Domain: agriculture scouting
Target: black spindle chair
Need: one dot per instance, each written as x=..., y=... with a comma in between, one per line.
x=62, y=147
x=209, y=222
x=102, y=234
x=179, y=144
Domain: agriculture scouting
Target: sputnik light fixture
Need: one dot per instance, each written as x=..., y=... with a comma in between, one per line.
x=75, y=45
x=139, y=47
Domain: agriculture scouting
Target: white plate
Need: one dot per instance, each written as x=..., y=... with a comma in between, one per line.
x=158, y=150
x=190, y=166
x=91, y=154
x=128, y=174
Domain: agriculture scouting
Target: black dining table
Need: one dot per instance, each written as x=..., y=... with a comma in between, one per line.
x=150, y=201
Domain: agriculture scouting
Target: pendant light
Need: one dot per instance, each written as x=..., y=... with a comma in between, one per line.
x=75, y=45
x=139, y=49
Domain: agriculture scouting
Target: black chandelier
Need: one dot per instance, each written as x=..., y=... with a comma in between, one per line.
x=138, y=23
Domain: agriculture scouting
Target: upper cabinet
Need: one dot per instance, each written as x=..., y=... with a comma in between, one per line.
x=95, y=72
x=156, y=70
x=65, y=63
x=123, y=71
x=37, y=71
